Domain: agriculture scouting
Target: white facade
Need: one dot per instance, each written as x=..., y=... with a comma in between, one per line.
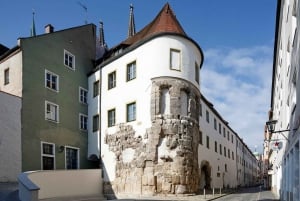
x=10, y=137
x=284, y=162
x=12, y=65
x=236, y=167
x=150, y=64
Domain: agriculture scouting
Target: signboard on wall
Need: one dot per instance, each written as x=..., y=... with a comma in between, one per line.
x=276, y=145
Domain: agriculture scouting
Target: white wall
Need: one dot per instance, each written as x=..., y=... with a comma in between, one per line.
x=15, y=74
x=10, y=137
x=152, y=60
x=216, y=159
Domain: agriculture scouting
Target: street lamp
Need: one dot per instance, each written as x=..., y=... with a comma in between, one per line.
x=271, y=128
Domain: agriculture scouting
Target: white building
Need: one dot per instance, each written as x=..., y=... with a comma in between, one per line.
x=10, y=124
x=284, y=141
x=152, y=137
x=224, y=159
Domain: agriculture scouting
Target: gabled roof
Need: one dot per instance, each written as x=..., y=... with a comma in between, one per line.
x=164, y=22
x=3, y=49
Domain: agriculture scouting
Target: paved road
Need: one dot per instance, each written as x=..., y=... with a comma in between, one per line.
x=9, y=192
x=253, y=194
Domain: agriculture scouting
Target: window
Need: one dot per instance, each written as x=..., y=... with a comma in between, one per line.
x=131, y=112
x=51, y=111
x=95, y=123
x=220, y=130
x=131, y=71
x=165, y=101
x=207, y=116
x=196, y=72
x=216, y=147
x=175, y=59
x=225, y=167
x=48, y=156
x=83, y=95
x=72, y=158
x=231, y=138
x=6, y=76
x=200, y=137
x=69, y=60
x=200, y=108
x=112, y=80
x=83, y=121
x=96, y=88
x=207, y=142
x=225, y=151
x=228, y=153
x=232, y=155
x=51, y=80
x=184, y=103
x=220, y=149
x=228, y=136
x=224, y=131
x=215, y=123
x=111, y=117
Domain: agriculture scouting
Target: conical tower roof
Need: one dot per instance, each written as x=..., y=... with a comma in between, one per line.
x=164, y=22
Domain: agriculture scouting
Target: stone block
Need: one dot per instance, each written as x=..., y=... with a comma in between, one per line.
x=166, y=187
x=181, y=189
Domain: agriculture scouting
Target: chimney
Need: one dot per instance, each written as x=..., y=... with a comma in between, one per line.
x=49, y=28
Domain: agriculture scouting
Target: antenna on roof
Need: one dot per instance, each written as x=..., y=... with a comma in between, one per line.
x=85, y=10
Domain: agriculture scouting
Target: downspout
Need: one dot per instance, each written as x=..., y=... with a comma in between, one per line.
x=100, y=120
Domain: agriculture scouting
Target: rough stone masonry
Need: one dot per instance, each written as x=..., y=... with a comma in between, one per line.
x=165, y=159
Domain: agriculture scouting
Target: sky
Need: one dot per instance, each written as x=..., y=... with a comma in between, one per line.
x=236, y=36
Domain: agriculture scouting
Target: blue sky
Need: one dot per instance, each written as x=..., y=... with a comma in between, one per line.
x=236, y=36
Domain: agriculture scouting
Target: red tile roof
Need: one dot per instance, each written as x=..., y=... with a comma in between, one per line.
x=164, y=22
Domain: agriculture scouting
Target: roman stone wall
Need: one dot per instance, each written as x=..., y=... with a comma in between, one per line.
x=165, y=159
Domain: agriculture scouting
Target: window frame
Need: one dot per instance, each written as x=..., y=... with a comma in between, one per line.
x=131, y=75
x=56, y=120
x=96, y=123
x=47, y=155
x=51, y=81
x=78, y=157
x=128, y=119
x=177, y=68
x=6, y=76
x=96, y=88
x=83, y=122
x=84, y=97
x=111, y=121
x=197, y=76
x=67, y=64
x=112, y=80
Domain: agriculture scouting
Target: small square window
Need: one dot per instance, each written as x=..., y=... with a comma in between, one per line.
x=69, y=60
x=131, y=112
x=131, y=71
x=83, y=121
x=51, y=111
x=6, y=76
x=96, y=88
x=111, y=117
x=112, y=80
x=83, y=95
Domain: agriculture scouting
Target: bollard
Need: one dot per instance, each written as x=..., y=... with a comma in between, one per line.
x=220, y=191
x=213, y=192
x=204, y=193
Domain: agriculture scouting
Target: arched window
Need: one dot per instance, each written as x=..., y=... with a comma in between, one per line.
x=165, y=101
x=184, y=103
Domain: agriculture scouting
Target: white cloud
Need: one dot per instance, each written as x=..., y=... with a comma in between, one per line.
x=238, y=83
